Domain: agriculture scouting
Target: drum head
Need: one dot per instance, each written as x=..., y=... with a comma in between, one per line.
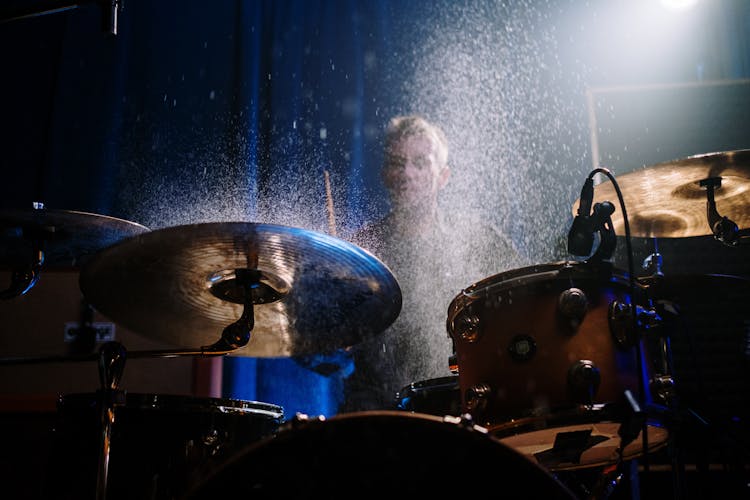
x=379, y=453
x=584, y=441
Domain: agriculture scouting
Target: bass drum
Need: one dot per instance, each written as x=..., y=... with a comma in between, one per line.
x=159, y=443
x=549, y=361
x=391, y=453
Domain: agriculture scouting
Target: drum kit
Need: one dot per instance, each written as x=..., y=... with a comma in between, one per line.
x=211, y=289
x=558, y=366
x=570, y=363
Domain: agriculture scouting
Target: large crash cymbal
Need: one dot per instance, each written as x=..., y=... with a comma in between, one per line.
x=666, y=200
x=66, y=237
x=316, y=292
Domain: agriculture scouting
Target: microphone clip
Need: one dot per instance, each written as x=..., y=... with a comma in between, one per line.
x=581, y=234
x=587, y=223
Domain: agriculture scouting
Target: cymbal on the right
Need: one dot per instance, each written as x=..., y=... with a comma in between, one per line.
x=666, y=200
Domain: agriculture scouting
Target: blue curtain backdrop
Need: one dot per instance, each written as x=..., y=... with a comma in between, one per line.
x=201, y=111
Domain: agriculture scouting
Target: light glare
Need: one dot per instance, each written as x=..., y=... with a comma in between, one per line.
x=679, y=4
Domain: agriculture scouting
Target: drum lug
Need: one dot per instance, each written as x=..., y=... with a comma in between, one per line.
x=210, y=438
x=477, y=397
x=583, y=380
x=300, y=420
x=467, y=327
x=465, y=420
x=625, y=328
x=620, y=319
x=573, y=304
x=663, y=386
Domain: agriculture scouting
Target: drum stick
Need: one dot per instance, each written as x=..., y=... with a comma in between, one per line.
x=329, y=205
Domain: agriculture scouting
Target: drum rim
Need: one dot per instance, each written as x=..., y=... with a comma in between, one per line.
x=310, y=429
x=537, y=273
x=578, y=415
x=446, y=381
x=181, y=402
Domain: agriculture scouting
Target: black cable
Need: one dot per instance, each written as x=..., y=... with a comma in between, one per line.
x=631, y=282
x=631, y=267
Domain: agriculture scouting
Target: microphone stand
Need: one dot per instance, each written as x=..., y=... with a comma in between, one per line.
x=631, y=426
x=111, y=10
x=580, y=239
x=111, y=368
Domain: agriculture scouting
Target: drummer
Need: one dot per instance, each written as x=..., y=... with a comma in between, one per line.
x=433, y=253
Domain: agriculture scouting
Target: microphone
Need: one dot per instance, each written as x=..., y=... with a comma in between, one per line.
x=581, y=234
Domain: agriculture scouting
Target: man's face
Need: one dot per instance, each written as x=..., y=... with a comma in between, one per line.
x=411, y=171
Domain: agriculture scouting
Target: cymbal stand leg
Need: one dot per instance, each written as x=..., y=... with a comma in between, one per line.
x=111, y=367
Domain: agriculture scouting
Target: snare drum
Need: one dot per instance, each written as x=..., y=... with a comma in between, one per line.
x=545, y=356
x=159, y=443
x=381, y=454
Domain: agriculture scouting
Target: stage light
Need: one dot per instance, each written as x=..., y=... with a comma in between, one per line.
x=677, y=5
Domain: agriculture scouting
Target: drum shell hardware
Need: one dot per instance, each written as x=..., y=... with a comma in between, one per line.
x=545, y=347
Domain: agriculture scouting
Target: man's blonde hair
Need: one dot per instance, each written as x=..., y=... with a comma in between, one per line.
x=414, y=125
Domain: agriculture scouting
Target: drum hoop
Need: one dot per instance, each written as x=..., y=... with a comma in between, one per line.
x=179, y=402
x=448, y=382
x=446, y=421
x=539, y=273
x=530, y=275
x=580, y=415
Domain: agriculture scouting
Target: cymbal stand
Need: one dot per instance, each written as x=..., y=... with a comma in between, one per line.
x=24, y=278
x=723, y=228
x=233, y=337
x=663, y=383
x=111, y=367
x=219, y=348
x=628, y=318
x=236, y=335
x=112, y=356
